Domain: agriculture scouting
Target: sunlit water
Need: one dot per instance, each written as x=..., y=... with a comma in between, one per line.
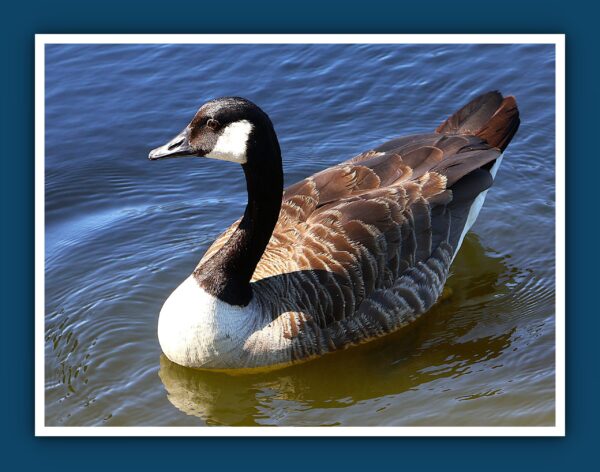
x=123, y=232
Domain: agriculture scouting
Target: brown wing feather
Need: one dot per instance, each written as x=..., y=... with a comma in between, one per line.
x=491, y=117
x=364, y=247
x=473, y=116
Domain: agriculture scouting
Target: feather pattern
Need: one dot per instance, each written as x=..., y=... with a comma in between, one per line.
x=363, y=248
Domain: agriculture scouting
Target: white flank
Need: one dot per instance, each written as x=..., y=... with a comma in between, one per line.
x=231, y=145
x=476, y=207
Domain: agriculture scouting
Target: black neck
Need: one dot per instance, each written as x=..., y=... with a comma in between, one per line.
x=227, y=273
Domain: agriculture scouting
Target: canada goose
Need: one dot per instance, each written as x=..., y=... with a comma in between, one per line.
x=347, y=255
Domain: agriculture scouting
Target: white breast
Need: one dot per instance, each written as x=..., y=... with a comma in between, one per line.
x=196, y=329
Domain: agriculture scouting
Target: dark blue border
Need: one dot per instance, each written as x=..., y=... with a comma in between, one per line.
x=22, y=20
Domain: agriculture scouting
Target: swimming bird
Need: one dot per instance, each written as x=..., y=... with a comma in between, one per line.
x=349, y=254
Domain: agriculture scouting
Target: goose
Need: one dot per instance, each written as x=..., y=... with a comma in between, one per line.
x=350, y=254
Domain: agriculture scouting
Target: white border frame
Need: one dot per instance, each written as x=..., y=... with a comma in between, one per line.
x=42, y=39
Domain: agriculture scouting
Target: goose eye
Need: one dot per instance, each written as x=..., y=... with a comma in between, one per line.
x=212, y=124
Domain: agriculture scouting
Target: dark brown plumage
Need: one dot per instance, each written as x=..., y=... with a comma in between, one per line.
x=363, y=248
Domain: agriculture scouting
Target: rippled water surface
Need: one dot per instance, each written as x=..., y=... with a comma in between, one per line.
x=123, y=232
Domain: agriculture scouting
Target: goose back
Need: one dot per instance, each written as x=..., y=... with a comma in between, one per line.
x=363, y=248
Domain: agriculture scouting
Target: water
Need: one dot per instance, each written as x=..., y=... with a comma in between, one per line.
x=122, y=232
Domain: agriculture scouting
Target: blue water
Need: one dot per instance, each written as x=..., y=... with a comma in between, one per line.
x=122, y=232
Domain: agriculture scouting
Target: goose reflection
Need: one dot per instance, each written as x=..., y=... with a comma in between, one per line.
x=461, y=331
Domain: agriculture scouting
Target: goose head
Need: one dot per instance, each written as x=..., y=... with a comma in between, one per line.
x=235, y=129
x=230, y=129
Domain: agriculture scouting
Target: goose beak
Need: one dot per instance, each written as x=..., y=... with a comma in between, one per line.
x=177, y=147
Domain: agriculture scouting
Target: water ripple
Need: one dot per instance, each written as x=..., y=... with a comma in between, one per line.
x=122, y=232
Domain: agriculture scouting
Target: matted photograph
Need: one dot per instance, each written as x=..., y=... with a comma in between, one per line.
x=276, y=234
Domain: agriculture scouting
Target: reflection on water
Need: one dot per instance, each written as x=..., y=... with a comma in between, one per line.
x=452, y=340
x=122, y=233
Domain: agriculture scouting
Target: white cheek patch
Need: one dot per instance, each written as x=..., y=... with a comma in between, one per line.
x=231, y=145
